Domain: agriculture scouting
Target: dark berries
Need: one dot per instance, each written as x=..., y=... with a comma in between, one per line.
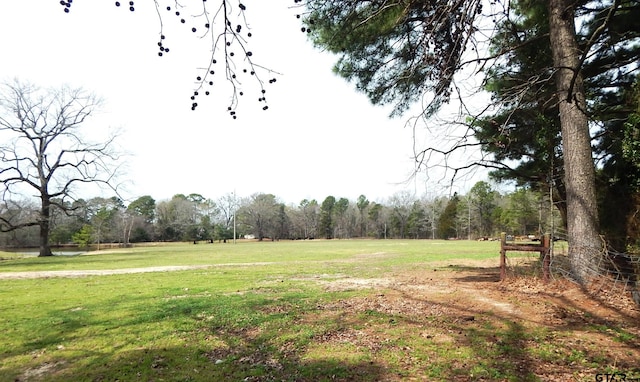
x=162, y=47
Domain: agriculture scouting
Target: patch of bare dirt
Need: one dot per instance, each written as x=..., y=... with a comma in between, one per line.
x=39, y=372
x=435, y=302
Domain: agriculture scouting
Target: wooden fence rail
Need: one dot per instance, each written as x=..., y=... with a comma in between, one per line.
x=544, y=248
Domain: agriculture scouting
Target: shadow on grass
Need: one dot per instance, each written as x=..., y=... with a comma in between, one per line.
x=492, y=274
x=238, y=337
x=253, y=362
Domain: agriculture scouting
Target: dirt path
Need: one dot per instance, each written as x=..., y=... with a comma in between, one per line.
x=94, y=272
x=105, y=272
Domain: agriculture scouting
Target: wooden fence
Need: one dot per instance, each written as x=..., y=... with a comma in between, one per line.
x=544, y=247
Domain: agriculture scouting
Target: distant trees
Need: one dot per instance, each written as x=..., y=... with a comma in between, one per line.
x=43, y=153
x=105, y=220
x=447, y=223
x=401, y=204
x=482, y=200
x=227, y=208
x=523, y=214
x=305, y=219
x=362, y=204
x=482, y=212
x=185, y=218
x=326, y=217
x=262, y=215
x=418, y=222
x=141, y=213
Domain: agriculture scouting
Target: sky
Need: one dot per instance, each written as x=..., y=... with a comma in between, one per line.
x=319, y=137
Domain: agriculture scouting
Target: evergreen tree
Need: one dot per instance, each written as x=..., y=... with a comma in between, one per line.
x=447, y=226
x=326, y=217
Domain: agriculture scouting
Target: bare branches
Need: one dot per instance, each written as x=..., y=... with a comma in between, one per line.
x=223, y=26
x=44, y=155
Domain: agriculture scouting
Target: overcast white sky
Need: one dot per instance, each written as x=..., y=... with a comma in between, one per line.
x=318, y=138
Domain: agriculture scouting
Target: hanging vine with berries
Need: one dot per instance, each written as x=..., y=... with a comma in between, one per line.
x=231, y=59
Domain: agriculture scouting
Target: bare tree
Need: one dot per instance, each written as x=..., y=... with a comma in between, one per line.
x=260, y=213
x=43, y=155
x=400, y=208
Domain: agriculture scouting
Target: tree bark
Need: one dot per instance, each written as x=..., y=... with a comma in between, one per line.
x=585, y=246
x=45, y=217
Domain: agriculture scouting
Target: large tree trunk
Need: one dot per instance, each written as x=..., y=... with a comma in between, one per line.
x=585, y=246
x=45, y=217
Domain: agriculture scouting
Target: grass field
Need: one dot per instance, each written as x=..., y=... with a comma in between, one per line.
x=297, y=311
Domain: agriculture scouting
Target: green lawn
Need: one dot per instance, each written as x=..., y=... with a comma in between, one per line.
x=251, y=252
x=258, y=311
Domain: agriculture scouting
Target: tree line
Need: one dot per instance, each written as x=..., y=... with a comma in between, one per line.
x=482, y=213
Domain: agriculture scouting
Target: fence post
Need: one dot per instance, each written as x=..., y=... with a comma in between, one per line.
x=546, y=257
x=503, y=256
